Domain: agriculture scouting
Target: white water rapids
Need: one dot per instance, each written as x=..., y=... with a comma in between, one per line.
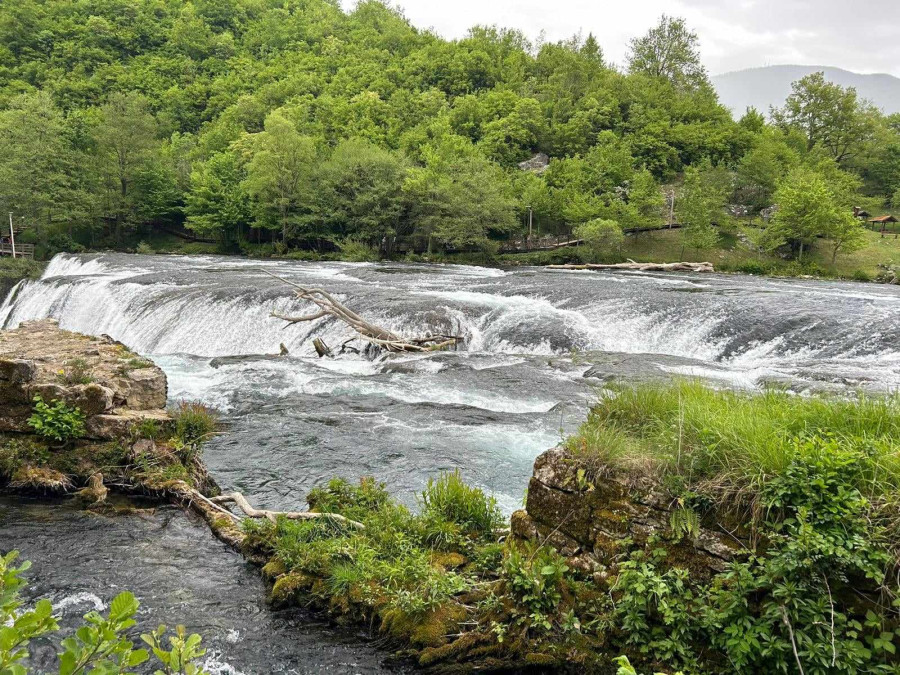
x=518, y=383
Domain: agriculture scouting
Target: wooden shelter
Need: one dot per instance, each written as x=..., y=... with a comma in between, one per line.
x=881, y=222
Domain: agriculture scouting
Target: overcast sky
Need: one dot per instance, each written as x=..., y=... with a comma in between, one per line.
x=859, y=35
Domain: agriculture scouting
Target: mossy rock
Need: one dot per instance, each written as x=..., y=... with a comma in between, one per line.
x=459, y=649
x=448, y=560
x=424, y=630
x=274, y=569
x=40, y=479
x=284, y=592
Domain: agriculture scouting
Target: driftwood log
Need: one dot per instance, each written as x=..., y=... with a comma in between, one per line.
x=187, y=493
x=642, y=267
x=241, y=502
x=376, y=335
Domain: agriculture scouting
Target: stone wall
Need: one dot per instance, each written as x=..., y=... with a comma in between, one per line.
x=592, y=521
x=119, y=390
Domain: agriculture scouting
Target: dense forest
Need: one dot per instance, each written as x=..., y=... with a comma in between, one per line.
x=269, y=125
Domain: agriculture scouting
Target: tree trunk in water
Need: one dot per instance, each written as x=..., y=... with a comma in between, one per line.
x=642, y=267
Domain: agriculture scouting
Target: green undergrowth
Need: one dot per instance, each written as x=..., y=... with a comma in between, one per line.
x=811, y=486
x=439, y=582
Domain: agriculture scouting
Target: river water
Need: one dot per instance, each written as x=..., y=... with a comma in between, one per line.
x=540, y=346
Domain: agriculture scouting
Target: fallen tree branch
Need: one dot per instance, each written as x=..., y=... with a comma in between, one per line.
x=369, y=332
x=241, y=502
x=642, y=267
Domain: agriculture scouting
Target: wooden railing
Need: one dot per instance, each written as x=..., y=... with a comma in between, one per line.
x=22, y=250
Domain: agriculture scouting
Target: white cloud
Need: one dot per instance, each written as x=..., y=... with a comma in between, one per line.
x=862, y=35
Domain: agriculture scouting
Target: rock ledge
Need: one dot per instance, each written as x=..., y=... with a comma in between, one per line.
x=116, y=389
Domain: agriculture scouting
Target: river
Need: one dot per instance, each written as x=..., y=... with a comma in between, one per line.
x=540, y=346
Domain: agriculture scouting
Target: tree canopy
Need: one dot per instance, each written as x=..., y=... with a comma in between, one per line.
x=296, y=123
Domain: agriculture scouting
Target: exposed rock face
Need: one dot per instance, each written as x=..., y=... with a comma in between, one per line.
x=591, y=522
x=116, y=389
x=537, y=163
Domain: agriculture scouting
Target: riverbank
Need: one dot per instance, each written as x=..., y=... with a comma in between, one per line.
x=876, y=261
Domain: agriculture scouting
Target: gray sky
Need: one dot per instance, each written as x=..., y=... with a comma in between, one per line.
x=859, y=35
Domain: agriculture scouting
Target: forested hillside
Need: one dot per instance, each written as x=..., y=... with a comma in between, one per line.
x=271, y=125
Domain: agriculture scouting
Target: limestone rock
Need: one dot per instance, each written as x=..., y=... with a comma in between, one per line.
x=121, y=423
x=115, y=389
x=591, y=520
x=145, y=389
x=17, y=371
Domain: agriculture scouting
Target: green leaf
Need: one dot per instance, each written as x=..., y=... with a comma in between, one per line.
x=124, y=605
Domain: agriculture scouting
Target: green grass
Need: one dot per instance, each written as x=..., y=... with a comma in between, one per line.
x=734, y=443
x=194, y=422
x=735, y=253
x=16, y=269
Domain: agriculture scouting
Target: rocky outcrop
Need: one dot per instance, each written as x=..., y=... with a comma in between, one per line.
x=592, y=520
x=115, y=388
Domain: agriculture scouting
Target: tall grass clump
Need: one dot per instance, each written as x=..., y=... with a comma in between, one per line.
x=738, y=440
x=193, y=421
x=449, y=499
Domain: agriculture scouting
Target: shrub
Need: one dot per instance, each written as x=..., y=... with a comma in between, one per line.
x=448, y=498
x=535, y=578
x=143, y=248
x=601, y=237
x=56, y=421
x=861, y=275
x=20, y=268
x=753, y=267
x=357, y=251
x=193, y=422
x=100, y=645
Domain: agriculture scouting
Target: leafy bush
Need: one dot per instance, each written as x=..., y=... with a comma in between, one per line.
x=143, y=248
x=861, y=275
x=753, y=267
x=450, y=500
x=357, y=251
x=602, y=237
x=99, y=646
x=56, y=420
x=193, y=422
x=20, y=268
x=535, y=579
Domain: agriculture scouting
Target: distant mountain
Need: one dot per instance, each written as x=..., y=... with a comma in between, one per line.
x=771, y=85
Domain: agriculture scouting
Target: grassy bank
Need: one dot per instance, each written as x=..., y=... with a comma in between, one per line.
x=13, y=270
x=736, y=442
x=736, y=253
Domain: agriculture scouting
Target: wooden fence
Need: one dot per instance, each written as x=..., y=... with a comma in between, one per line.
x=22, y=250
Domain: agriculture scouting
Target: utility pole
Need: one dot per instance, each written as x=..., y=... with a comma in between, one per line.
x=671, y=209
x=12, y=235
x=530, y=219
